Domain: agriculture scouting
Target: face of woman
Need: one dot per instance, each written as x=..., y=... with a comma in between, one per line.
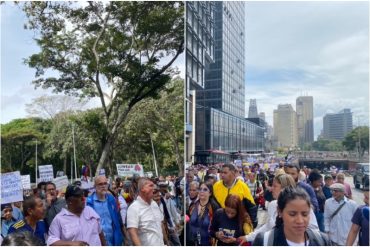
x=7, y=213
x=276, y=188
x=230, y=212
x=296, y=217
x=204, y=192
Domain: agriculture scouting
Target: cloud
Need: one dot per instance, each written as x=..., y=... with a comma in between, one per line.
x=319, y=49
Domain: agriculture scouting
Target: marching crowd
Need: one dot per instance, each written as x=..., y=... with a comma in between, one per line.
x=224, y=205
x=136, y=211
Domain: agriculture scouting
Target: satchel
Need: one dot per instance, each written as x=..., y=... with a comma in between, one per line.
x=336, y=211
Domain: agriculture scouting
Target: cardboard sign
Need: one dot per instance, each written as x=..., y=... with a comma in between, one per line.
x=61, y=183
x=128, y=170
x=26, y=182
x=11, y=187
x=102, y=172
x=46, y=173
x=60, y=173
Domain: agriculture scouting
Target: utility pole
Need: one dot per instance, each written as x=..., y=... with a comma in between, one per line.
x=155, y=160
x=36, y=165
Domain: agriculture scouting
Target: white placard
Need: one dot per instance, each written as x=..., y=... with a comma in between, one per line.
x=61, y=182
x=11, y=187
x=102, y=172
x=26, y=182
x=46, y=173
x=128, y=170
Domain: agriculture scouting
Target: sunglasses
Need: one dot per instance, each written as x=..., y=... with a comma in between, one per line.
x=203, y=190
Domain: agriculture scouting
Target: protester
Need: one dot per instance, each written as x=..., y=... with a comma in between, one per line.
x=360, y=223
x=193, y=194
x=315, y=180
x=328, y=180
x=293, y=170
x=22, y=238
x=7, y=218
x=279, y=183
x=144, y=218
x=256, y=188
x=338, y=213
x=34, y=212
x=189, y=179
x=77, y=225
x=201, y=214
x=105, y=205
x=230, y=185
x=347, y=187
x=53, y=204
x=293, y=206
x=231, y=222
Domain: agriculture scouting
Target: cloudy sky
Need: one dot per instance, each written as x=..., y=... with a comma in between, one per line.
x=320, y=49
x=17, y=44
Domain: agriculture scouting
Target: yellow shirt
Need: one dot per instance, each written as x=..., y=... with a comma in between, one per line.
x=220, y=192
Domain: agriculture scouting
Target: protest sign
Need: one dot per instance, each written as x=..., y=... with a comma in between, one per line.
x=60, y=173
x=26, y=182
x=238, y=163
x=61, y=183
x=11, y=187
x=102, y=172
x=128, y=170
x=46, y=173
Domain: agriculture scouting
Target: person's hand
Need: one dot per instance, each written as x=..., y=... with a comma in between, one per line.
x=49, y=198
x=229, y=240
x=60, y=194
x=220, y=235
x=80, y=243
x=243, y=239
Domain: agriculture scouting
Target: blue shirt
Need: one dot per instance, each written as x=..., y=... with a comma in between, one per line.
x=101, y=208
x=17, y=214
x=22, y=225
x=311, y=193
x=327, y=192
x=5, y=225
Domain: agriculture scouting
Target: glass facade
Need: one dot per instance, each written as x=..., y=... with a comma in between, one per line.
x=224, y=80
x=222, y=131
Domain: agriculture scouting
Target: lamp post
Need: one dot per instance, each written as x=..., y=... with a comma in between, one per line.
x=36, y=165
x=74, y=149
x=155, y=160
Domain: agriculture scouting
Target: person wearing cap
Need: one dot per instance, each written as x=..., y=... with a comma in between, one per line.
x=328, y=181
x=34, y=212
x=76, y=225
x=7, y=218
x=105, y=205
x=338, y=213
x=347, y=187
x=293, y=170
x=53, y=204
x=144, y=218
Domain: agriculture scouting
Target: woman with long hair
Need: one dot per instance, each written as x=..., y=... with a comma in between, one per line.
x=279, y=182
x=231, y=222
x=291, y=227
x=201, y=215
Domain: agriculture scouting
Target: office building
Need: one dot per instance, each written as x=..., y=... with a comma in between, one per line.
x=199, y=54
x=337, y=125
x=285, y=126
x=252, y=113
x=304, y=108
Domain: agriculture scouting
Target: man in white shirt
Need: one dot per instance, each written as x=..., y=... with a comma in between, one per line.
x=144, y=218
x=338, y=223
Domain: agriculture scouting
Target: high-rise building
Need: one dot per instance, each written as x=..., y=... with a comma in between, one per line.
x=225, y=79
x=199, y=54
x=262, y=116
x=220, y=112
x=304, y=108
x=252, y=113
x=285, y=126
x=337, y=125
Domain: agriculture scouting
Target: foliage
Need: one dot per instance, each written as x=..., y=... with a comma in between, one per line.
x=327, y=145
x=358, y=140
x=127, y=47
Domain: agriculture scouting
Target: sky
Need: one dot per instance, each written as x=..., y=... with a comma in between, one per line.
x=318, y=49
x=16, y=77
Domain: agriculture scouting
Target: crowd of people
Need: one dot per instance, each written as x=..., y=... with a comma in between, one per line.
x=225, y=204
x=136, y=211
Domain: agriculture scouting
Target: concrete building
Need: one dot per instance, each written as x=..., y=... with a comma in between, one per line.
x=337, y=125
x=285, y=126
x=199, y=55
x=252, y=113
x=262, y=116
x=304, y=108
x=220, y=112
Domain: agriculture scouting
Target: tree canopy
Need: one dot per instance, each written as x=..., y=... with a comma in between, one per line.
x=358, y=140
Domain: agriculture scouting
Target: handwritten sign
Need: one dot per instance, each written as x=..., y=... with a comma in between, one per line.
x=128, y=170
x=102, y=172
x=46, y=173
x=26, y=182
x=61, y=183
x=11, y=187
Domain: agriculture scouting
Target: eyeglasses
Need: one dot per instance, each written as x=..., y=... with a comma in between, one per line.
x=102, y=184
x=336, y=190
x=203, y=190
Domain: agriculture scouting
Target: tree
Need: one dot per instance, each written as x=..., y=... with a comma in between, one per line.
x=127, y=47
x=358, y=139
x=327, y=145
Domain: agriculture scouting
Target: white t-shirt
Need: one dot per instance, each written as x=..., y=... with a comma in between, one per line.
x=148, y=220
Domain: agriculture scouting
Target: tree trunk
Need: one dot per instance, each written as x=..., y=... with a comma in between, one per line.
x=65, y=164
